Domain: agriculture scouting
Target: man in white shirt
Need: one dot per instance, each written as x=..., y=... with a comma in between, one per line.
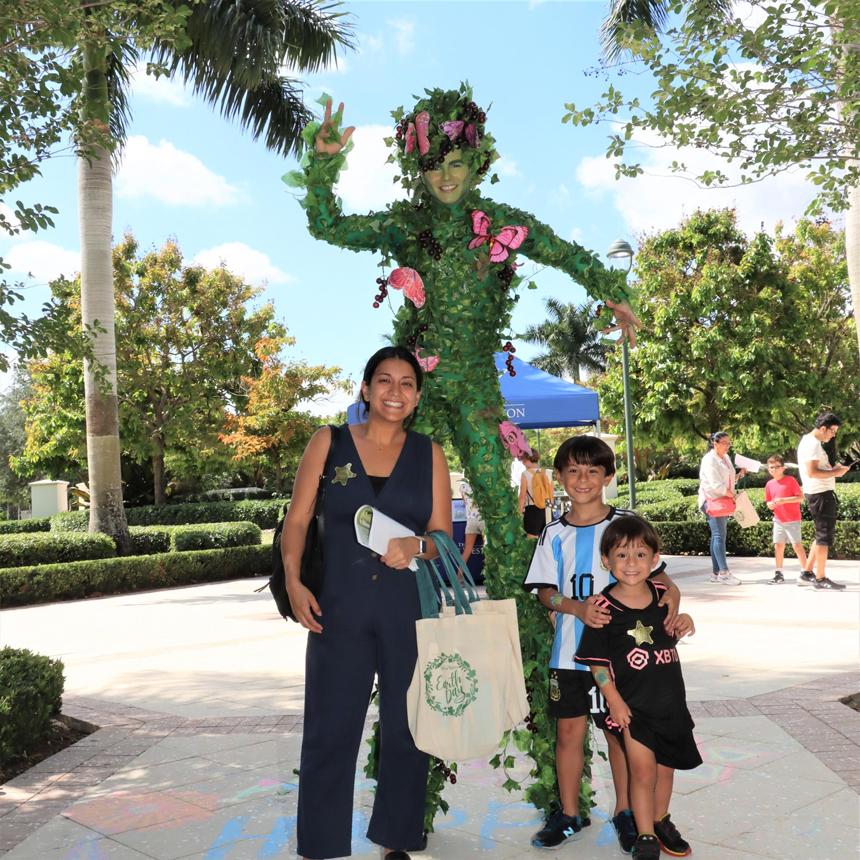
x=818, y=479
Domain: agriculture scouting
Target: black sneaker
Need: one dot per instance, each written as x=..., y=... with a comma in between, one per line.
x=625, y=828
x=807, y=577
x=825, y=584
x=558, y=829
x=647, y=847
x=778, y=579
x=668, y=836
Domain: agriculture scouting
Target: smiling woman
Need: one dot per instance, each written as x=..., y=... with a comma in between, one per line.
x=363, y=624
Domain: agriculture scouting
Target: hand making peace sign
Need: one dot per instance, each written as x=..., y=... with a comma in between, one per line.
x=321, y=143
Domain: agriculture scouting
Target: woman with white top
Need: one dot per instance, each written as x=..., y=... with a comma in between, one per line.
x=717, y=481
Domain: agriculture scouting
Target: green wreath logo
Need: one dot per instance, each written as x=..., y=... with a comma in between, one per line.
x=450, y=685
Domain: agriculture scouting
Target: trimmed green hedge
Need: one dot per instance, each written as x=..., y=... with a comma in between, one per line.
x=23, y=586
x=693, y=537
x=15, y=527
x=31, y=690
x=264, y=513
x=150, y=540
x=234, y=494
x=19, y=550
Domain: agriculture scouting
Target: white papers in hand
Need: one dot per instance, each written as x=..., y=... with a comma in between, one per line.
x=746, y=463
x=374, y=530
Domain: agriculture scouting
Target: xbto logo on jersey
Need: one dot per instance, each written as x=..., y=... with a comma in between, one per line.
x=450, y=684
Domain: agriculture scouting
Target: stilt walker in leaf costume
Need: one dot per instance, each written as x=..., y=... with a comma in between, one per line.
x=455, y=252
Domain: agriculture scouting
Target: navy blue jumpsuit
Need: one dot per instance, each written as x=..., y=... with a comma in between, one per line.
x=368, y=619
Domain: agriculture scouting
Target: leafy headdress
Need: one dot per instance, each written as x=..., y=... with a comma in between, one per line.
x=443, y=121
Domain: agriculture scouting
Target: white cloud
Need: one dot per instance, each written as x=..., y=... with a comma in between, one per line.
x=161, y=90
x=561, y=194
x=404, y=36
x=254, y=266
x=43, y=260
x=659, y=200
x=576, y=235
x=9, y=215
x=370, y=44
x=368, y=181
x=506, y=167
x=170, y=175
x=339, y=401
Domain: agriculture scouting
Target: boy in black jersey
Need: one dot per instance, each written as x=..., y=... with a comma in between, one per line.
x=635, y=663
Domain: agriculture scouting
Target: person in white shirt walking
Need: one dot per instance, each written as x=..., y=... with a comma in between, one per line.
x=716, y=501
x=818, y=479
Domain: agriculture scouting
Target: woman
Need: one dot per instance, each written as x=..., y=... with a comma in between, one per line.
x=717, y=481
x=534, y=518
x=364, y=621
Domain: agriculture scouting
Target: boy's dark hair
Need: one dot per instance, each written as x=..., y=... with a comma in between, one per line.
x=776, y=458
x=585, y=451
x=828, y=420
x=628, y=529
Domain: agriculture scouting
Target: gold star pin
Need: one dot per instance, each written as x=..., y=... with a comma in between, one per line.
x=641, y=633
x=342, y=474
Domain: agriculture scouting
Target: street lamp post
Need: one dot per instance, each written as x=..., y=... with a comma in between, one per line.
x=620, y=250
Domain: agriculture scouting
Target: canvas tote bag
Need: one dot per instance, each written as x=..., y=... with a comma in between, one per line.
x=745, y=514
x=459, y=702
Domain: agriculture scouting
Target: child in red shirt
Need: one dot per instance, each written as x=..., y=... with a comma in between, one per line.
x=783, y=496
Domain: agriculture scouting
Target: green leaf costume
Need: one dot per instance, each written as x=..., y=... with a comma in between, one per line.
x=466, y=313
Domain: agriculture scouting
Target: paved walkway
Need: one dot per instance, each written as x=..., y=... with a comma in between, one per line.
x=198, y=696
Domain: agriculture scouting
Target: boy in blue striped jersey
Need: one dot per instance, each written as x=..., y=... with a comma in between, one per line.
x=567, y=573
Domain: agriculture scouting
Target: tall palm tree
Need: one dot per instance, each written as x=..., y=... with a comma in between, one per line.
x=232, y=53
x=572, y=342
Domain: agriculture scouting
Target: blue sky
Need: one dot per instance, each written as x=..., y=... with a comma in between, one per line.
x=190, y=175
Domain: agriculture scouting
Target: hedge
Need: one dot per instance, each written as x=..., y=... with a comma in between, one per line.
x=23, y=586
x=264, y=513
x=18, y=550
x=150, y=540
x=31, y=690
x=694, y=537
x=234, y=494
x=14, y=527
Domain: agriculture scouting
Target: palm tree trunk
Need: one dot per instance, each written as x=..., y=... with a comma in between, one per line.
x=95, y=211
x=852, y=251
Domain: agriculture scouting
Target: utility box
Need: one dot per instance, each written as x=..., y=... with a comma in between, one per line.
x=48, y=498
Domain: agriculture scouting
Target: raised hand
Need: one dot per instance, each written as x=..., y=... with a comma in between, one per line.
x=322, y=142
x=626, y=321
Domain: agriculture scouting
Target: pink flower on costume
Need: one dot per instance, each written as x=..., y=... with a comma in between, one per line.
x=513, y=439
x=410, y=282
x=428, y=363
x=638, y=658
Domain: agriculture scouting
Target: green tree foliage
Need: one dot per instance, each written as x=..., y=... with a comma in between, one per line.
x=188, y=343
x=13, y=437
x=749, y=335
x=572, y=343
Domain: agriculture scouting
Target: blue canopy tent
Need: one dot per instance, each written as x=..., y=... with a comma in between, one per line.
x=534, y=399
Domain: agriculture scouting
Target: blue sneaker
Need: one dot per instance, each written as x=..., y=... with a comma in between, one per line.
x=557, y=830
x=625, y=828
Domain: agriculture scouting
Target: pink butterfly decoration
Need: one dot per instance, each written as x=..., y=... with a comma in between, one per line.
x=509, y=238
x=472, y=136
x=410, y=137
x=410, y=282
x=422, y=126
x=513, y=439
x=453, y=128
x=428, y=363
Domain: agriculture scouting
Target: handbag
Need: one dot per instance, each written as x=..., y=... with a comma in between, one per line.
x=468, y=686
x=313, y=558
x=723, y=507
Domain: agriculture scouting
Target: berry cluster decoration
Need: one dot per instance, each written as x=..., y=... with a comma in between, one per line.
x=412, y=340
x=382, y=283
x=446, y=771
x=506, y=275
x=598, y=311
x=428, y=241
x=510, y=349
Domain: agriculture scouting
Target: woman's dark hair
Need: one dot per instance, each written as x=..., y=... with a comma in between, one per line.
x=400, y=353
x=716, y=437
x=626, y=530
x=585, y=451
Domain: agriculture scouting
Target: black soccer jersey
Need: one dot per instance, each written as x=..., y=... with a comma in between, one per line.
x=642, y=661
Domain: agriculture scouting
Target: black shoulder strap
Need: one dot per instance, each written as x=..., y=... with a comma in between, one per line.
x=335, y=438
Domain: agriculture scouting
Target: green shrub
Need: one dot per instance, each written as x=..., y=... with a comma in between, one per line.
x=234, y=494
x=150, y=540
x=214, y=536
x=14, y=527
x=264, y=513
x=19, y=550
x=694, y=537
x=23, y=586
x=31, y=689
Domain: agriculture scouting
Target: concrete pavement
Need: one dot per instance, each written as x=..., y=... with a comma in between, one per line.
x=199, y=693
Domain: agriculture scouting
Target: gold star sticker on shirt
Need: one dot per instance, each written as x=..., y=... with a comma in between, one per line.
x=641, y=633
x=342, y=474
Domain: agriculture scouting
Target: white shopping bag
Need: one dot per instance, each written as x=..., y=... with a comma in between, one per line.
x=745, y=513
